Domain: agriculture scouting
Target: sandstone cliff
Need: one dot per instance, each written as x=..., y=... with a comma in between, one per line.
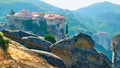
x=79, y=52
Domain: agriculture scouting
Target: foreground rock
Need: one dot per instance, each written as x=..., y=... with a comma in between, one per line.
x=37, y=42
x=76, y=52
x=116, y=51
x=27, y=39
x=51, y=58
x=79, y=52
x=22, y=57
x=16, y=33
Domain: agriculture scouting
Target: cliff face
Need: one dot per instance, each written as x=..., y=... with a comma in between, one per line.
x=76, y=52
x=79, y=52
x=103, y=43
x=38, y=23
x=116, y=51
x=103, y=39
x=2, y=26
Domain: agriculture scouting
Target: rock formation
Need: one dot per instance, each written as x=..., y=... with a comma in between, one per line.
x=102, y=43
x=17, y=33
x=22, y=57
x=27, y=39
x=37, y=42
x=102, y=39
x=43, y=23
x=75, y=52
x=51, y=58
x=116, y=51
x=2, y=26
x=79, y=52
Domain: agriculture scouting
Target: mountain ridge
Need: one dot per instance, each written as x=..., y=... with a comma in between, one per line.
x=97, y=8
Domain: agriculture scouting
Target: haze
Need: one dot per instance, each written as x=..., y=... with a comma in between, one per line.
x=76, y=4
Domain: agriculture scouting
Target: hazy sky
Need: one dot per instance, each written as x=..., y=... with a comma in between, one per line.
x=75, y=4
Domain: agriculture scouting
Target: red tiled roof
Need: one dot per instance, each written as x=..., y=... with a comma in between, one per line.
x=53, y=16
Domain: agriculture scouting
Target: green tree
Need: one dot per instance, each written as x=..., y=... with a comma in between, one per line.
x=12, y=12
x=50, y=38
x=30, y=25
x=66, y=29
x=3, y=43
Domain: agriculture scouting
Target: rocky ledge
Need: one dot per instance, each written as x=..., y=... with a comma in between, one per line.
x=79, y=52
x=27, y=39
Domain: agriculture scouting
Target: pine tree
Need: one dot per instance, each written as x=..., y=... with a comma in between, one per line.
x=12, y=12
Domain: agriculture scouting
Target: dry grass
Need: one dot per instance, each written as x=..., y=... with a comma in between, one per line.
x=22, y=57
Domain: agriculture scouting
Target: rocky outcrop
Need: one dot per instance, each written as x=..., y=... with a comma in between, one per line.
x=2, y=26
x=37, y=42
x=18, y=56
x=17, y=33
x=79, y=52
x=51, y=58
x=27, y=39
x=76, y=52
x=43, y=23
x=116, y=51
x=102, y=39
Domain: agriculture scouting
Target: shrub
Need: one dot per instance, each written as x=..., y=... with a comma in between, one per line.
x=10, y=28
x=50, y=38
x=3, y=42
x=12, y=12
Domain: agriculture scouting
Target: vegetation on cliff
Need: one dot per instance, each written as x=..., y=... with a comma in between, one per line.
x=50, y=38
x=4, y=42
x=12, y=12
x=29, y=25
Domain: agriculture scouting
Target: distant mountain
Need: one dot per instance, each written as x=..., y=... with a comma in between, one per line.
x=111, y=22
x=108, y=17
x=98, y=8
x=103, y=16
x=32, y=5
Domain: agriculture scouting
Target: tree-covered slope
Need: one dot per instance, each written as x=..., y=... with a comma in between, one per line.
x=98, y=8
x=104, y=16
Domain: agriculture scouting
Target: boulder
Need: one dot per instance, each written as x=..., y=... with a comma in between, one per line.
x=116, y=51
x=50, y=58
x=16, y=33
x=79, y=52
x=27, y=39
x=36, y=43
